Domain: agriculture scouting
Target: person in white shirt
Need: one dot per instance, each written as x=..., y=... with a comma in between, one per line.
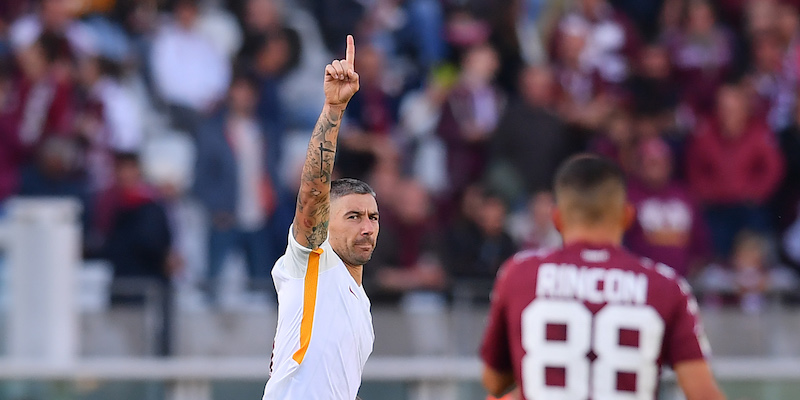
x=188, y=69
x=324, y=334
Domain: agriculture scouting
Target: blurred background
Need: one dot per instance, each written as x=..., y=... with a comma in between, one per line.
x=150, y=153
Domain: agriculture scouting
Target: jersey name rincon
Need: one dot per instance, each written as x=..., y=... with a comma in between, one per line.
x=594, y=285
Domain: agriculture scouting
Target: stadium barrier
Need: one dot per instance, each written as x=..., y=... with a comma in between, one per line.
x=190, y=378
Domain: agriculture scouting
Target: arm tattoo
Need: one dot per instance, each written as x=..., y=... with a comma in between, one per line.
x=322, y=151
x=313, y=201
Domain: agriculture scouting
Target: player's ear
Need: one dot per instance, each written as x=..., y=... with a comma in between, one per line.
x=558, y=219
x=629, y=215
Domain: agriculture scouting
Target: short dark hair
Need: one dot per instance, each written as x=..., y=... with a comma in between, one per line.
x=344, y=186
x=588, y=186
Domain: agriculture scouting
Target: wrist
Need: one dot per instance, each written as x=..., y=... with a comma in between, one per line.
x=335, y=107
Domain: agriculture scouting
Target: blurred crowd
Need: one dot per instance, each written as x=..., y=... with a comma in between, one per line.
x=166, y=118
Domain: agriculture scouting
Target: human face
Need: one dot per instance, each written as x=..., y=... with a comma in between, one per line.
x=353, y=228
x=186, y=14
x=701, y=18
x=732, y=111
x=656, y=169
x=537, y=86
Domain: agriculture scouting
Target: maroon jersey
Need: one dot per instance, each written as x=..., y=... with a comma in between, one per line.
x=590, y=322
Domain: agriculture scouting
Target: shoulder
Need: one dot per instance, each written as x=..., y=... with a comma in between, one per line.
x=523, y=262
x=328, y=258
x=665, y=279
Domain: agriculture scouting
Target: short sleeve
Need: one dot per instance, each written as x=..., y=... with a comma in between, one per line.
x=495, y=351
x=686, y=339
x=296, y=256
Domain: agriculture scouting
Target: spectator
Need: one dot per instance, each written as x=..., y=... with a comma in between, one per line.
x=138, y=242
x=617, y=140
x=190, y=74
x=38, y=105
x=531, y=139
x=467, y=215
x=53, y=17
x=409, y=260
x=234, y=186
x=419, y=114
x=702, y=52
x=508, y=25
x=750, y=267
x=270, y=62
x=469, y=118
x=299, y=95
x=110, y=119
x=260, y=19
x=787, y=25
x=765, y=77
x=583, y=101
x=476, y=249
x=733, y=166
x=611, y=40
x=652, y=87
x=669, y=227
x=409, y=31
x=533, y=228
x=138, y=238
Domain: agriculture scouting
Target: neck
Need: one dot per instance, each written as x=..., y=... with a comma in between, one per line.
x=656, y=185
x=356, y=271
x=601, y=235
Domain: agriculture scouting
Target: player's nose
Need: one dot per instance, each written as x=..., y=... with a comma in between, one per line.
x=367, y=228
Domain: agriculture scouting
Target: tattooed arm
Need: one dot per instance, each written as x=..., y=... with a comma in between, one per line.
x=313, y=201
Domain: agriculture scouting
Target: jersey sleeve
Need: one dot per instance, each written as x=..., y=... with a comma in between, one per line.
x=686, y=339
x=296, y=257
x=495, y=351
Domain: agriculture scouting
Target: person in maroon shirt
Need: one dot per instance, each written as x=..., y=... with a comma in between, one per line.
x=702, y=54
x=37, y=105
x=669, y=226
x=733, y=166
x=592, y=321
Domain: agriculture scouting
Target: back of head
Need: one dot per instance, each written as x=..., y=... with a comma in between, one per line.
x=590, y=191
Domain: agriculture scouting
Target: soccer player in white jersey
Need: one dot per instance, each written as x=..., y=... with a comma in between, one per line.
x=324, y=333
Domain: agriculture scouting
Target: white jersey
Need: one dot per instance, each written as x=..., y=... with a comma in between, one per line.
x=324, y=333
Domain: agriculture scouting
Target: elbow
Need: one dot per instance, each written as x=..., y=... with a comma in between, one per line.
x=493, y=389
x=714, y=396
x=496, y=384
x=717, y=395
x=711, y=393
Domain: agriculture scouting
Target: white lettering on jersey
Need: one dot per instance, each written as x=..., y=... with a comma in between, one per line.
x=595, y=256
x=569, y=281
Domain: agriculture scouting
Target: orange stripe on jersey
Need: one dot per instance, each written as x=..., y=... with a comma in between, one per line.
x=309, y=303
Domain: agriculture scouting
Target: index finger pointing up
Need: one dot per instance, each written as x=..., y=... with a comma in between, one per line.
x=350, y=55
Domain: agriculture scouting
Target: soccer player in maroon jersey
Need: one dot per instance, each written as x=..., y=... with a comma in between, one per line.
x=592, y=321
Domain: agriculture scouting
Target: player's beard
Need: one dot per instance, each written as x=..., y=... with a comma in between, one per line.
x=357, y=256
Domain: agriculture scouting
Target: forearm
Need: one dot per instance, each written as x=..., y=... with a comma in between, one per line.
x=313, y=200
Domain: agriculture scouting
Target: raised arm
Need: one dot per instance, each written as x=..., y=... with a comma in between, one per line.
x=313, y=201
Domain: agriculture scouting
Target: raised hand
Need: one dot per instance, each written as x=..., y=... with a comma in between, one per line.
x=341, y=79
